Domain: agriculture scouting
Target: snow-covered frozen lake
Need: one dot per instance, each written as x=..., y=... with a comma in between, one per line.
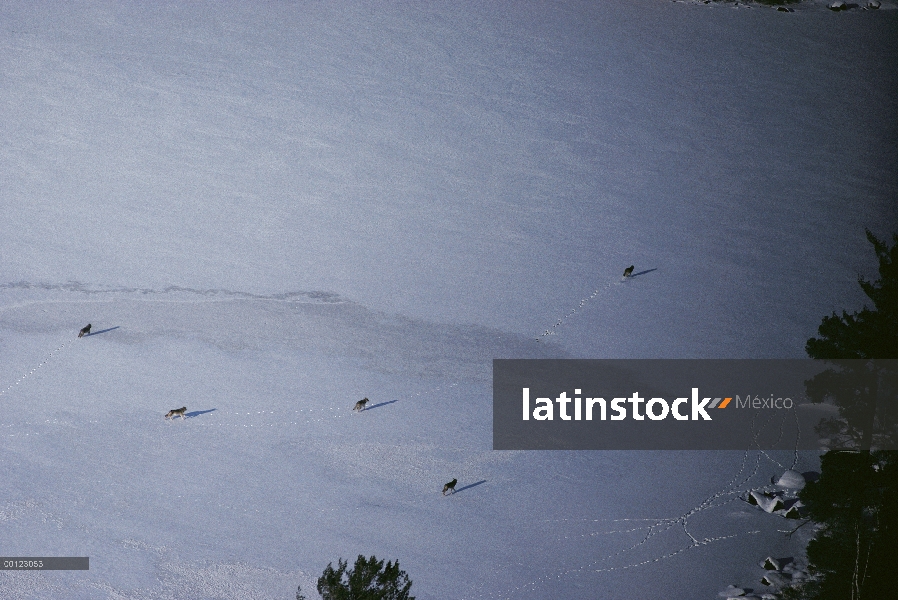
x=270, y=210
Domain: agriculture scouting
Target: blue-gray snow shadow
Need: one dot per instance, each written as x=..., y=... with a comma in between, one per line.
x=467, y=487
x=197, y=413
x=381, y=404
x=642, y=273
x=397, y=344
x=102, y=331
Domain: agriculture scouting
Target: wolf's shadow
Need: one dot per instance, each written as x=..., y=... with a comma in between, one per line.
x=467, y=487
x=381, y=404
x=197, y=413
x=103, y=331
x=642, y=273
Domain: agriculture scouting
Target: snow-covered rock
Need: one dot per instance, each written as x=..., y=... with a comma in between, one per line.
x=732, y=591
x=768, y=502
x=838, y=5
x=771, y=564
x=874, y=4
x=775, y=579
x=795, y=511
x=792, y=480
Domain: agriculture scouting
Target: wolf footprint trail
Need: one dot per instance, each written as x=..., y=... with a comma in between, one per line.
x=576, y=309
x=41, y=364
x=743, y=480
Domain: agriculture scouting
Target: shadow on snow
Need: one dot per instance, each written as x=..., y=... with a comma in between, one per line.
x=467, y=487
x=642, y=273
x=381, y=404
x=197, y=413
x=103, y=331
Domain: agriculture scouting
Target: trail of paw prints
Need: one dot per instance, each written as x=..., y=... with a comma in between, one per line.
x=24, y=434
x=659, y=526
x=731, y=491
x=654, y=524
x=736, y=488
x=782, y=430
x=554, y=578
x=732, y=488
x=573, y=311
x=433, y=391
x=32, y=371
x=695, y=544
x=735, y=485
x=47, y=430
x=795, y=455
x=210, y=503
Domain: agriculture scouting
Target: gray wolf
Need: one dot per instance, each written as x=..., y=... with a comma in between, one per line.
x=84, y=331
x=175, y=412
x=629, y=271
x=360, y=405
x=450, y=486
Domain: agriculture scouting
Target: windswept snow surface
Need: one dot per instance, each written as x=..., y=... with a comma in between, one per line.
x=270, y=210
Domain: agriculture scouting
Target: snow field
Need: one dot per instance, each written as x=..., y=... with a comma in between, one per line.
x=273, y=210
x=289, y=465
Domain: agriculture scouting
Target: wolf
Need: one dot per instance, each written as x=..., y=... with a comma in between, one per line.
x=360, y=405
x=175, y=412
x=84, y=331
x=629, y=271
x=450, y=486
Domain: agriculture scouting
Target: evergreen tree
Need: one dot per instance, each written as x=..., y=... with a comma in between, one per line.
x=855, y=501
x=864, y=383
x=369, y=579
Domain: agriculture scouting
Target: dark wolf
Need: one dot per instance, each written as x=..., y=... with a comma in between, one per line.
x=360, y=405
x=629, y=271
x=450, y=486
x=84, y=331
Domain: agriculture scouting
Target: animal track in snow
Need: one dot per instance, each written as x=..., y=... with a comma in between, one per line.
x=573, y=311
x=39, y=365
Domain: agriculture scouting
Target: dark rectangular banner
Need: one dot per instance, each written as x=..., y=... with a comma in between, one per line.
x=44, y=563
x=692, y=404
